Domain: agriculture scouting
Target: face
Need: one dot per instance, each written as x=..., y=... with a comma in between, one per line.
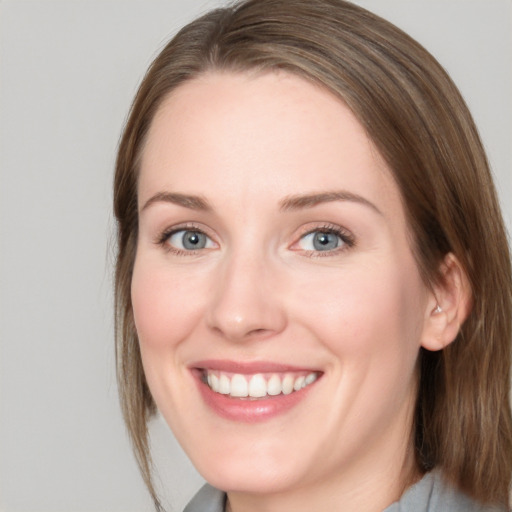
x=277, y=302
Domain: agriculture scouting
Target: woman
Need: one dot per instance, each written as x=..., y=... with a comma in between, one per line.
x=313, y=281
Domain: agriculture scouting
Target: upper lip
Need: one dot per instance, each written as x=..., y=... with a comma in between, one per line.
x=248, y=367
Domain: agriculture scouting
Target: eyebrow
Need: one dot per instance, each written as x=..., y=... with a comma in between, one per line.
x=295, y=202
x=185, y=200
x=298, y=202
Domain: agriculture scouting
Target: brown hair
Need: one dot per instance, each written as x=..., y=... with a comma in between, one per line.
x=419, y=122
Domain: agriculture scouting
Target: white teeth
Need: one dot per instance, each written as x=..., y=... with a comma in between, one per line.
x=257, y=386
x=224, y=385
x=239, y=387
x=311, y=378
x=288, y=382
x=213, y=381
x=299, y=382
x=274, y=385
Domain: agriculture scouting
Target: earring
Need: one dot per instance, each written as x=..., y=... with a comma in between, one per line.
x=437, y=309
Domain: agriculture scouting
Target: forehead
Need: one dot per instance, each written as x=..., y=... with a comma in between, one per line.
x=273, y=133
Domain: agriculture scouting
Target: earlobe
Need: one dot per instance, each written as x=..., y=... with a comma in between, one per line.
x=448, y=307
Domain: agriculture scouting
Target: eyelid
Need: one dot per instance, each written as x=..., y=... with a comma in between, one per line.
x=344, y=234
x=164, y=235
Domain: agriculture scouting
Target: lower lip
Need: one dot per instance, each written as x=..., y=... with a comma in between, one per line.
x=250, y=411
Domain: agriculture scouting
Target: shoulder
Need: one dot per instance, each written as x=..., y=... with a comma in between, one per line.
x=207, y=499
x=433, y=494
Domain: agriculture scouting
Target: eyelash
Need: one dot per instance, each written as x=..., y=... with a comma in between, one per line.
x=345, y=236
x=163, y=239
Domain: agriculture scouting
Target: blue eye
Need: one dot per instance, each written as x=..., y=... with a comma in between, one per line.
x=189, y=240
x=321, y=241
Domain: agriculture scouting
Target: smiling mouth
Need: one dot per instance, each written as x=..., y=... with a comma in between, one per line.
x=257, y=386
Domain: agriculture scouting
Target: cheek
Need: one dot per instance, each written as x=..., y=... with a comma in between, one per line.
x=373, y=309
x=370, y=322
x=165, y=305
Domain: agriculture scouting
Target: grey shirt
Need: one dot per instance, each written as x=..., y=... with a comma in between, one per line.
x=430, y=494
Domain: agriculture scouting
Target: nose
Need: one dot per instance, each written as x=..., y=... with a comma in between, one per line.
x=246, y=303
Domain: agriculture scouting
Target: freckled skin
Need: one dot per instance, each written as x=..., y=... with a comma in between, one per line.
x=259, y=291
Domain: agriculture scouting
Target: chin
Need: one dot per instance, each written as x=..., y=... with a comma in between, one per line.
x=261, y=465
x=245, y=478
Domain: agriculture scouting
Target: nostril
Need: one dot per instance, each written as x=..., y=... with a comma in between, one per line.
x=257, y=331
x=239, y=312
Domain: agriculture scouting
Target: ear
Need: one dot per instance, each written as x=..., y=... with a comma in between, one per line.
x=448, y=306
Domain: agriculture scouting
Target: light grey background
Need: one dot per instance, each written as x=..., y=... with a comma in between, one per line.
x=68, y=71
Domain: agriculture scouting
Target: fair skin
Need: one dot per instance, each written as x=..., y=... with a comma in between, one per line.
x=273, y=242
